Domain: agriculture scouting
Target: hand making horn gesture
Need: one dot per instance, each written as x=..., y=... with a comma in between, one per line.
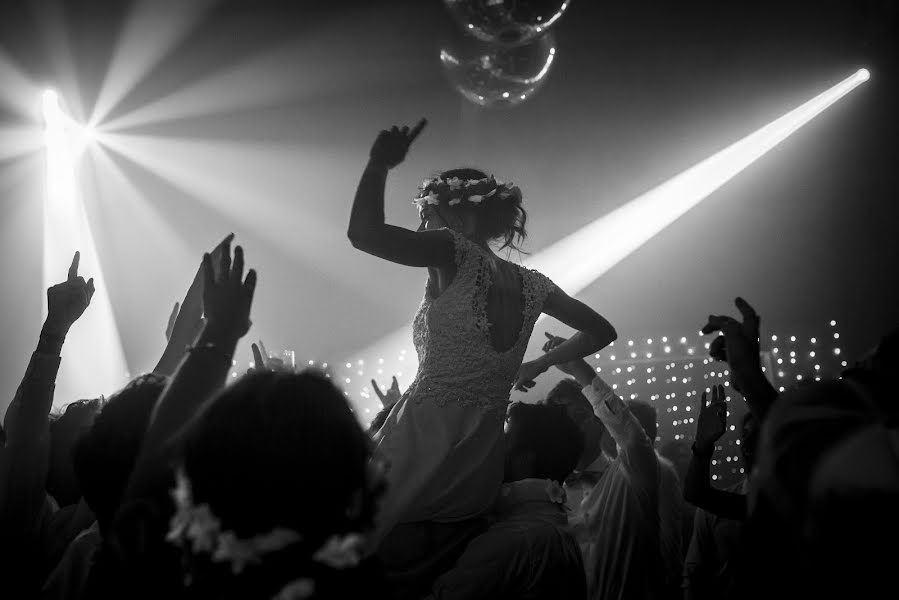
x=391, y=145
x=391, y=397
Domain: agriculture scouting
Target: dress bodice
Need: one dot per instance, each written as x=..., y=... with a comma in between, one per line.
x=451, y=332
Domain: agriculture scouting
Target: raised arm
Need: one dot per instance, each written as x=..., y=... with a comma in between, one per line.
x=698, y=489
x=227, y=299
x=739, y=347
x=369, y=232
x=594, y=333
x=186, y=320
x=24, y=461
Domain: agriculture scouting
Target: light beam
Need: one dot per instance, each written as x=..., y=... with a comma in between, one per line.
x=573, y=262
x=93, y=362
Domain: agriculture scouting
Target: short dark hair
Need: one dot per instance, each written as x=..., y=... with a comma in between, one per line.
x=280, y=450
x=646, y=415
x=104, y=456
x=498, y=218
x=567, y=395
x=548, y=432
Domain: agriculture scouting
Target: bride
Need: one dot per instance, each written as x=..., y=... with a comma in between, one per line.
x=443, y=441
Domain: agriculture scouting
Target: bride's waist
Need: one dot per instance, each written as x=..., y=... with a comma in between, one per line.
x=462, y=391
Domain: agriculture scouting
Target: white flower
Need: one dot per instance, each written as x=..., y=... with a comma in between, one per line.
x=476, y=199
x=474, y=181
x=555, y=492
x=238, y=552
x=340, y=552
x=202, y=529
x=296, y=590
x=454, y=183
x=454, y=201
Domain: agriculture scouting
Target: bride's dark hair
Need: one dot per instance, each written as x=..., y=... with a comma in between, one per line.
x=498, y=218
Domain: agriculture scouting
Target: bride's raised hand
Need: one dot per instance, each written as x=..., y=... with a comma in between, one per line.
x=392, y=144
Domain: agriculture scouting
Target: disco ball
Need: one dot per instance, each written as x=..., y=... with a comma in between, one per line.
x=508, y=22
x=494, y=75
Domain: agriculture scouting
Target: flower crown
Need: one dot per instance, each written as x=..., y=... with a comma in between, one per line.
x=198, y=525
x=454, y=190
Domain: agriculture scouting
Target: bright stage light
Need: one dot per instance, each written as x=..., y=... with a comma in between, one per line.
x=573, y=262
x=93, y=362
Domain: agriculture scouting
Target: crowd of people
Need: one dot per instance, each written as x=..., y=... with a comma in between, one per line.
x=178, y=486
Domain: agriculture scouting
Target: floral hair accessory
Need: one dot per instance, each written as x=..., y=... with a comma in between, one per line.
x=199, y=526
x=455, y=191
x=341, y=552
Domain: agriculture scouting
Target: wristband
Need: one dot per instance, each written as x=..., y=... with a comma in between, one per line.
x=210, y=347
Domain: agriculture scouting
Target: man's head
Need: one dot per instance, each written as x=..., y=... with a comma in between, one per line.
x=567, y=396
x=104, y=455
x=65, y=429
x=678, y=452
x=542, y=442
x=646, y=415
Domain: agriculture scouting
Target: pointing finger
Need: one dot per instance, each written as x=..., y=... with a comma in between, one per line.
x=416, y=131
x=73, y=269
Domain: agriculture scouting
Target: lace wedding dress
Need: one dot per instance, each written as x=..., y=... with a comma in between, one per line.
x=443, y=441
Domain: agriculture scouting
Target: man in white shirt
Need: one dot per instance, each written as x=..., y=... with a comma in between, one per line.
x=628, y=552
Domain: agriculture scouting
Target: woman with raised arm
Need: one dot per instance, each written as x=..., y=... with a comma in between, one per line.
x=443, y=439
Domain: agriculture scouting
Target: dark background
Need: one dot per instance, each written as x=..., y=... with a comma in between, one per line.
x=639, y=92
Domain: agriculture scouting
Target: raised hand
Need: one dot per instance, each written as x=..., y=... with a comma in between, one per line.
x=67, y=301
x=263, y=362
x=712, y=421
x=569, y=368
x=739, y=346
x=391, y=145
x=393, y=395
x=528, y=373
x=227, y=296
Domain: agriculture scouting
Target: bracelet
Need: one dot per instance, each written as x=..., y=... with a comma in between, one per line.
x=208, y=346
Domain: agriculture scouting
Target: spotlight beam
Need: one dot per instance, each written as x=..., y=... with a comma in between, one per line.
x=627, y=228
x=93, y=361
x=152, y=30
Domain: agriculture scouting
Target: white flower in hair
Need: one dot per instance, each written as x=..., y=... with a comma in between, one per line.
x=340, y=552
x=297, y=590
x=454, y=183
x=476, y=198
x=454, y=201
x=474, y=181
